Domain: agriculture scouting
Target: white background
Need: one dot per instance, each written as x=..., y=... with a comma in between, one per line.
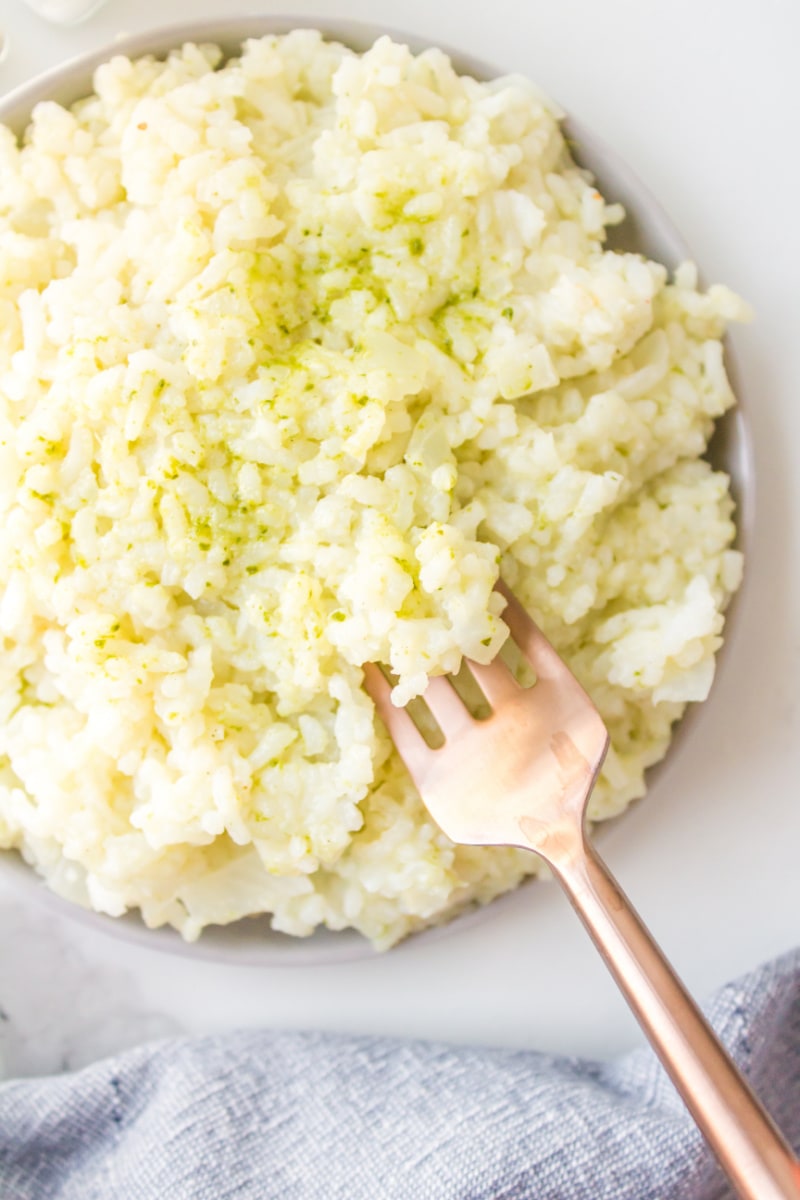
x=702, y=98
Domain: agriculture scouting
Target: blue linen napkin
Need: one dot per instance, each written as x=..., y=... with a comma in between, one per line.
x=310, y=1116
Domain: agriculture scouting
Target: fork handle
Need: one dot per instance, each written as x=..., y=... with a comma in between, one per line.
x=757, y=1160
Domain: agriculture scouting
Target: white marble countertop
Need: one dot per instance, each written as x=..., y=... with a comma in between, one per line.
x=702, y=100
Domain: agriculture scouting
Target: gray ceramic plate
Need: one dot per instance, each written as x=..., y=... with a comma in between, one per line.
x=647, y=230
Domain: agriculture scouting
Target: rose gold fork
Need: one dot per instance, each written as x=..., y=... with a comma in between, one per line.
x=522, y=777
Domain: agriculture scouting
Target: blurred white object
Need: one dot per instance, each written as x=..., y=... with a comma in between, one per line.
x=64, y=12
x=3, y=45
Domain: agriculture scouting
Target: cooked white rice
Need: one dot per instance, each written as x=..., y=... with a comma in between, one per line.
x=296, y=354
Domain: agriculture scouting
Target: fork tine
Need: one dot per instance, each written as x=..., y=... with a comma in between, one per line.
x=495, y=681
x=408, y=740
x=530, y=639
x=446, y=705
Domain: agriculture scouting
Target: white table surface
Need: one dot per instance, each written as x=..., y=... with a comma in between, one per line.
x=703, y=100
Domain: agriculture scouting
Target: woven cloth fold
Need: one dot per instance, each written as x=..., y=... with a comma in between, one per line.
x=311, y=1116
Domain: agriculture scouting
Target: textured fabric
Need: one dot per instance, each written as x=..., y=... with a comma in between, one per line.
x=258, y=1115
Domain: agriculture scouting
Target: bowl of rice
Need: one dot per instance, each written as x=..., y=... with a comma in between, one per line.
x=308, y=336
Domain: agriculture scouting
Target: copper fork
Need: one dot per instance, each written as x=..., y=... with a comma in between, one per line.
x=522, y=777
